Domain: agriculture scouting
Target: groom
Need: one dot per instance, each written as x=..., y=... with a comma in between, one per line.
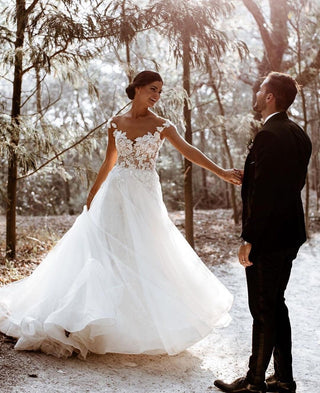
x=273, y=231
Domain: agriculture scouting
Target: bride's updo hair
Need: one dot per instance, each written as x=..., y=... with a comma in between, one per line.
x=142, y=79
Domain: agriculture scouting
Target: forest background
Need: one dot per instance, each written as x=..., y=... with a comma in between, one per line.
x=64, y=68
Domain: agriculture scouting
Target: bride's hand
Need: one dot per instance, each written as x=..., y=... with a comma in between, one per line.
x=233, y=176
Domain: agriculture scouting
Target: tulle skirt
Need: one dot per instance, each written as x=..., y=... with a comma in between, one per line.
x=123, y=279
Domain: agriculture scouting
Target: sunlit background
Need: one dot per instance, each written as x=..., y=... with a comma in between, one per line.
x=79, y=56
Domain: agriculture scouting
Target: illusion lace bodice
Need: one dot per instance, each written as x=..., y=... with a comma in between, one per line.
x=140, y=153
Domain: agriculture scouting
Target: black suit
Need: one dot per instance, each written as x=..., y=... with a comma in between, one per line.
x=273, y=222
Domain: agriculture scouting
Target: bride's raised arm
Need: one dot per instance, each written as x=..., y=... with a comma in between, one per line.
x=107, y=165
x=233, y=176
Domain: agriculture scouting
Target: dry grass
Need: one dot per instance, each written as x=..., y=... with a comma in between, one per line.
x=36, y=235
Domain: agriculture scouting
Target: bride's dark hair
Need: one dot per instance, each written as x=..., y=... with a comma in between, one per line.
x=142, y=79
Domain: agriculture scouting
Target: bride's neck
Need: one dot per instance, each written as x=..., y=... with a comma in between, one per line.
x=138, y=111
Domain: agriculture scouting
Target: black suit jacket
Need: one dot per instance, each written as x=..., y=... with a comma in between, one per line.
x=274, y=175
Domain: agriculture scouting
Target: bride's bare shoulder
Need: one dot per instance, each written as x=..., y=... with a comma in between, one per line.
x=117, y=118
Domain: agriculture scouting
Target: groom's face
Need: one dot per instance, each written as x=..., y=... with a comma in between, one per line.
x=261, y=96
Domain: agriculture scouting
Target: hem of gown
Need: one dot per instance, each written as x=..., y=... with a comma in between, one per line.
x=58, y=342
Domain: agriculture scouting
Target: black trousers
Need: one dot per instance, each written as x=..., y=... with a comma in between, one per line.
x=267, y=280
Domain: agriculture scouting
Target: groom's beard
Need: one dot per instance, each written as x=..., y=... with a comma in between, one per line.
x=259, y=108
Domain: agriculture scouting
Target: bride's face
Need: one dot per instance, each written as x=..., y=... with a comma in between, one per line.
x=149, y=95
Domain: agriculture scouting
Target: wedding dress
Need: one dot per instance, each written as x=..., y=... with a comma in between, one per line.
x=122, y=279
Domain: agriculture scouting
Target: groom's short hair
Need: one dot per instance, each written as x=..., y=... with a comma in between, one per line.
x=283, y=87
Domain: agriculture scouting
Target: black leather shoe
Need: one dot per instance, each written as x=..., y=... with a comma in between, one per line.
x=273, y=385
x=240, y=385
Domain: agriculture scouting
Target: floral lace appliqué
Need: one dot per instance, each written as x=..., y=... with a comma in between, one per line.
x=140, y=153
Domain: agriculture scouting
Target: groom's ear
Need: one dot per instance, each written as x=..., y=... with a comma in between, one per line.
x=269, y=98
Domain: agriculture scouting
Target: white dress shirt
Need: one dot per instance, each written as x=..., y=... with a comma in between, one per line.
x=268, y=117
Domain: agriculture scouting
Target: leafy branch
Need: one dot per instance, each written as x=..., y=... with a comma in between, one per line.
x=70, y=147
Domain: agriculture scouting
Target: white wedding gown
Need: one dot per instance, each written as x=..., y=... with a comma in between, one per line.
x=122, y=279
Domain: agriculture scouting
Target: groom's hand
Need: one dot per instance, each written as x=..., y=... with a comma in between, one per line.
x=243, y=254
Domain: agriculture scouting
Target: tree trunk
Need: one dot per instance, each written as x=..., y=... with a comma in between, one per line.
x=204, y=172
x=231, y=186
x=38, y=90
x=307, y=201
x=68, y=196
x=274, y=38
x=129, y=70
x=305, y=118
x=227, y=149
x=21, y=21
x=225, y=185
x=316, y=145
x=188, y=197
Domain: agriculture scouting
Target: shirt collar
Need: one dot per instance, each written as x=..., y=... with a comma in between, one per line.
x=267, y=118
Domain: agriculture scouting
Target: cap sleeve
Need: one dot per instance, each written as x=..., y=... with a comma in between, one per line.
x=111, y=123
x=166, y=124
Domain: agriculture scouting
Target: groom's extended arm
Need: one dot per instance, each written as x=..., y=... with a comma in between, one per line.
x=264, y=185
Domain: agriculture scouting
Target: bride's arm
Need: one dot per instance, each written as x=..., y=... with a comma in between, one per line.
x=193, y=154
x=107, y=165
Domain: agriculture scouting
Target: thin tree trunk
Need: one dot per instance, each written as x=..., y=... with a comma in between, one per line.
x=127, y=45
x=204, y=171
x=231, y=186
x=38, y=90
x=68, y=196
x=227, y=149
x=21, y=22
x=307, y=201
x=305, y=118
x=188, y=194
x=129, y=69
x=316, y=147
x=226, y=188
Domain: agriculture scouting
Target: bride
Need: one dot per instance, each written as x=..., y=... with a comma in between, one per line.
x=122, y=279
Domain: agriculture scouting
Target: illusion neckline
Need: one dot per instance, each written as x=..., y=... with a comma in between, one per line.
x=149, y=133
x=158, y=131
